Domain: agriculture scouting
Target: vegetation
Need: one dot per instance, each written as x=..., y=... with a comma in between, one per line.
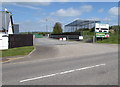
x=57, y=28
x=43, y=33
x=113, y=39
x=115, y=28
x=87, y=33
x=114, y=36
x=17, y=51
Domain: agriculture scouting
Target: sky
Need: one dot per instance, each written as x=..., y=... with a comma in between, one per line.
x=35, y=16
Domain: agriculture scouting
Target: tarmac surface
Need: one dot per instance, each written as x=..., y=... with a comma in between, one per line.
x=46, y=48
x=56, y=62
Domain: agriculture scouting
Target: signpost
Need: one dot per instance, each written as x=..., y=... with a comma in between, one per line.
x=101, y=30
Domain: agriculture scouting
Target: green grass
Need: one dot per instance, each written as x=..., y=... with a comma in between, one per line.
x=113, y=39
x=88, y=35
x=17, y=51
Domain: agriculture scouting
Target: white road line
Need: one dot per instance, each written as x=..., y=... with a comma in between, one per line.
x=65, y=72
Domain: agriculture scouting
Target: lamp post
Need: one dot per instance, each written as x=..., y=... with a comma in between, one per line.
x=5, y=21
x=94, y=37
x=46, y=25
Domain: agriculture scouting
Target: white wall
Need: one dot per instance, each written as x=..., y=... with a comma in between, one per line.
x=3, y=41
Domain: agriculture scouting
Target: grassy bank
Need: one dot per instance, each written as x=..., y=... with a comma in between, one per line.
x=113, y=39
x=17, y=51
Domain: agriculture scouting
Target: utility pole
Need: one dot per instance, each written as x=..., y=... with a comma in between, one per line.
x=94, y=37
x=5, y=21
x=46, y=25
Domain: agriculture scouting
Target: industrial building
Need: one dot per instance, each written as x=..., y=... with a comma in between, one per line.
x=80, y=24
x=16, y=28
x=6, y=22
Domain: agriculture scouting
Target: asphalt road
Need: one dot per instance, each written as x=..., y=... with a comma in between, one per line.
x=94, y=69
x=52, y=42
x=106, y=74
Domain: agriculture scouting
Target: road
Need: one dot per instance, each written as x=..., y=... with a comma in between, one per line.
x=95, y=69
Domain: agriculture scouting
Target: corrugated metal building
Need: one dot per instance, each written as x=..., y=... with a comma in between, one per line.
x=16, y=28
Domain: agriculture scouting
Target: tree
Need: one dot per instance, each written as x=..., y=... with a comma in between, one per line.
x=57, y=28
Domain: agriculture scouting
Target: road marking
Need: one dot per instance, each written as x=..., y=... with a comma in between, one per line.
x=11, y=59
x=16, y=58
x=60, y=73
x=32, y=51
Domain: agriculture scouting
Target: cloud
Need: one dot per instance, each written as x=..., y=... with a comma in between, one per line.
x=86, y=8
x=73, y=12
x=44, y=0
x=101, y=10
x=26, y=5
x=31, y=5
x=113, y=11
x=44, y=3
x=37, y=25
x=29, y=25
x=61, y=0
x=28, y=0
x=67, y=12
x=106, y=19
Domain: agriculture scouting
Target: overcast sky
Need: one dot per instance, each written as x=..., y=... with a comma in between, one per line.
x=32, y=16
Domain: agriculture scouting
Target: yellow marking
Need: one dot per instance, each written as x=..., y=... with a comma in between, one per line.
x=10, y=59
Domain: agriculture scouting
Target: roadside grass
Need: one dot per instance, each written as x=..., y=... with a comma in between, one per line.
x=17, y=51
x=88, y=35
x=113, y=39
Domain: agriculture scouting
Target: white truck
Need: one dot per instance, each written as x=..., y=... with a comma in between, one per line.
x=102, y=30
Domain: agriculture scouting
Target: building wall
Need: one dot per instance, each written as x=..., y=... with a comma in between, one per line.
x=3, y=41
x=16, y=28
x=6, y=17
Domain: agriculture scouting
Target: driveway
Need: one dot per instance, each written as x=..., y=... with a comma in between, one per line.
x=46, y=48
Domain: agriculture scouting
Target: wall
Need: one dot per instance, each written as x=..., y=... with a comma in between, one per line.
x=20, y=40
x=3, y=41
x=16, y=28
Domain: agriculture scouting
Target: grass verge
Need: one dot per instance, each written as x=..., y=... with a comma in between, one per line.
x=113, y=39
x=17, y=51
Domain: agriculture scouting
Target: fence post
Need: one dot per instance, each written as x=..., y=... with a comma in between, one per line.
x=67, y=38
x=93, y=39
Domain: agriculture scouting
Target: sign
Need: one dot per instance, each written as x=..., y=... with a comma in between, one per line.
x=100, y=34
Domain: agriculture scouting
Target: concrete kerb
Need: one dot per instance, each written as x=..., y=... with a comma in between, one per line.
x=15, y=58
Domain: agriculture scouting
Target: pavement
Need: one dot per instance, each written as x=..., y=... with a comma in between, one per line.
x=56, y=62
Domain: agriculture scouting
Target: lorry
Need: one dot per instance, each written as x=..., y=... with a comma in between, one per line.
x=102, y=30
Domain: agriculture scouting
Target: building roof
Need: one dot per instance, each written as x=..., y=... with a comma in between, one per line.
x=81, y=22
x=5, y=18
